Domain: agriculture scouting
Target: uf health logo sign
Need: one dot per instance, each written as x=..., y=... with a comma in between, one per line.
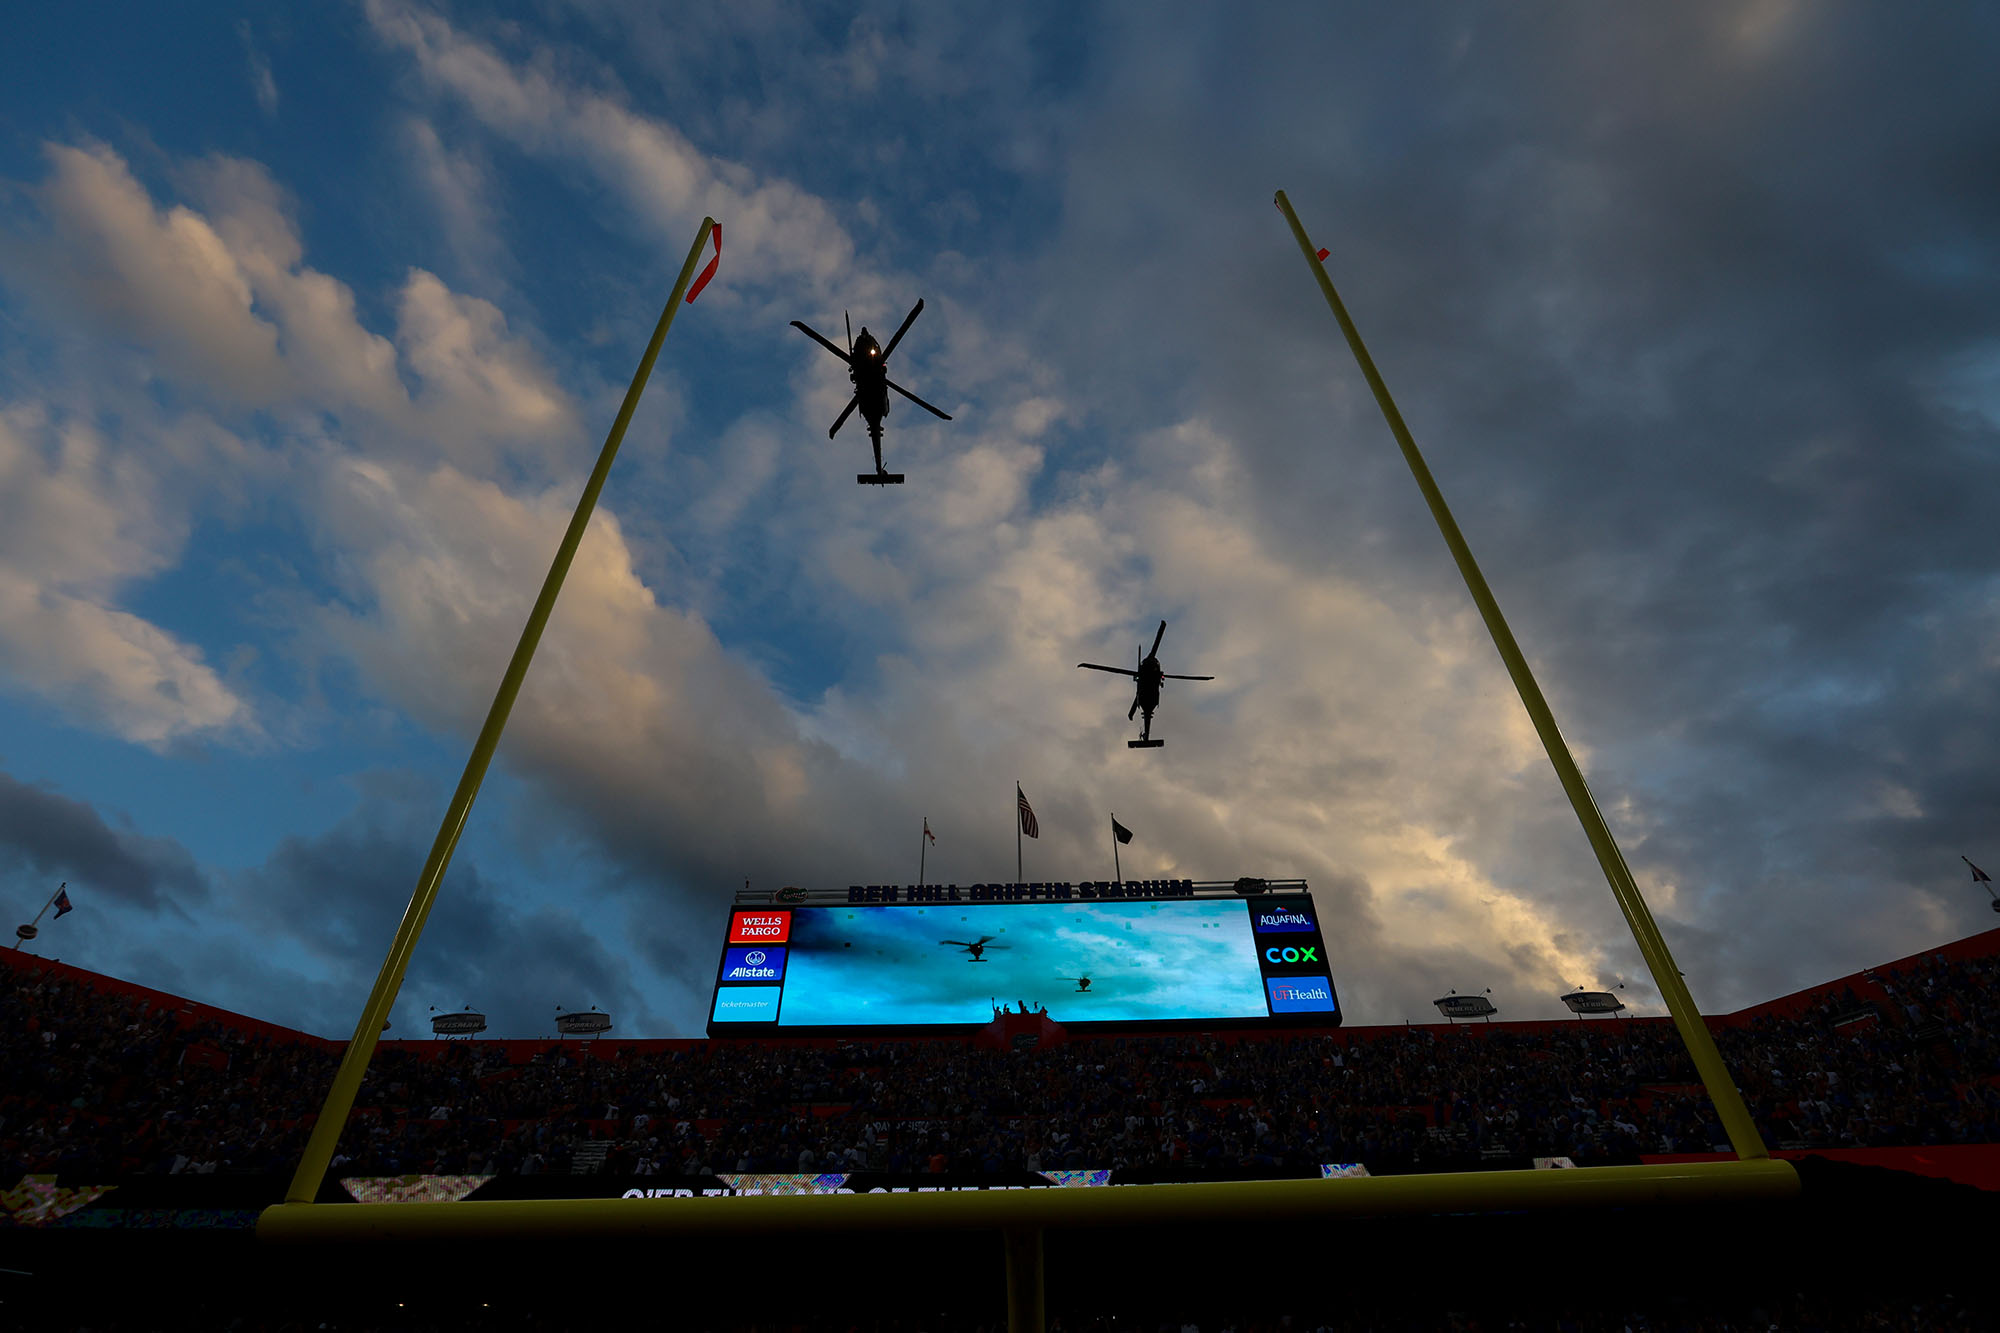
x=1300, y=995
x=1276, y=917
x=755, y=964
x=747, y=1004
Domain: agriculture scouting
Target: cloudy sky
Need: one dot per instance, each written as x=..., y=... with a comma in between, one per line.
x=311, y=325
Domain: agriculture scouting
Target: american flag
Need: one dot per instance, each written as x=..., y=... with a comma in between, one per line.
x=1028, y=824
x=927, y=832
x=1978, y=875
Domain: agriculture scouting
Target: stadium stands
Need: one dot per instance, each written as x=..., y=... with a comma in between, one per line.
x=193, y=1117
x=108, y=1079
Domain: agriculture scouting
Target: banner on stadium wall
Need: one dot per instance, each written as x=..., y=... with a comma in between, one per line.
x=221, y=1202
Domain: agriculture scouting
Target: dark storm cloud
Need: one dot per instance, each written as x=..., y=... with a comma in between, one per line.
x=65, y=839
x=1686, y=305
x=340, y=895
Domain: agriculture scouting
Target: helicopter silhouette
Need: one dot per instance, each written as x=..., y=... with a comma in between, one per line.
x=1147, y=676
x=868, y=367
x=975, y=947
x=1082, y=983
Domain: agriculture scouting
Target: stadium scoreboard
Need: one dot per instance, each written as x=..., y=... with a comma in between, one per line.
x=1164, y=953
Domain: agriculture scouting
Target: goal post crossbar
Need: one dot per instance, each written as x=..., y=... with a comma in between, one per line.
x=1746, y=1181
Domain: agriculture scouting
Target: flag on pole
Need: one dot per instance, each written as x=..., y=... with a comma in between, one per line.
x=1028, y=824
x=1119, y=831
x=63, y=904
x=932, y=837
x=1979, y=876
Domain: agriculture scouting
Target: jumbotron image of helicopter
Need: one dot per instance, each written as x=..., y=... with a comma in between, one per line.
x=977, y=948
x=1082, y=984
x=868, y=366
x=1147, y=676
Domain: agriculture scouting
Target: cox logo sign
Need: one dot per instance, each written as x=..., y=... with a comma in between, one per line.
x=1305, y=953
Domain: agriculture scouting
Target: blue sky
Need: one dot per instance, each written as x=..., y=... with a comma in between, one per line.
x=311, y=324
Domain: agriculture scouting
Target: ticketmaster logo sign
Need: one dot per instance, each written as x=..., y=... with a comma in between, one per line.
x=1300, y=995
x=747, y=1004
x=760, y=964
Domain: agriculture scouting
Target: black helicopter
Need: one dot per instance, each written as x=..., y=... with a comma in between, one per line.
x=1147, y=676
x=868, y=366
x=1082, y=984
x=975, y=947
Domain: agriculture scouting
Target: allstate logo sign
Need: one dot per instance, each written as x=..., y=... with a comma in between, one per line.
x=753, y=965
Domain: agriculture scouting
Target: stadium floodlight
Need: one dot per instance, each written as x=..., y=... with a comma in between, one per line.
x=1729, y=1106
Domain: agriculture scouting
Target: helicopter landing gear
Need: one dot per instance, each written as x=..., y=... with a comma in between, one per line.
x=879, y=478
x=1145, y=745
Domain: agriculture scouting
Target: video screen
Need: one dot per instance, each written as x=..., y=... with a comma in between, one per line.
x=1176, y=960
x=954, y=963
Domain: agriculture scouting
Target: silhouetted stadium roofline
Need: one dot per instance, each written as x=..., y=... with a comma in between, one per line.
x=1037, y=890
x=1983, y=945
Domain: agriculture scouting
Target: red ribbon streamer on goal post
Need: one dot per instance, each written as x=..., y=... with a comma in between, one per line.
x=708, y=272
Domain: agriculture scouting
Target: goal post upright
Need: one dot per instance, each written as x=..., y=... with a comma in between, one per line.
x=1729, y=1104
x=333, y=1115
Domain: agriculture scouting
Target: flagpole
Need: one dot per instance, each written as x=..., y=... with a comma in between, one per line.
x=922, y=843
x=1017, y=830
x=1729, y=1105
x=1116, y=873
x=20, y=939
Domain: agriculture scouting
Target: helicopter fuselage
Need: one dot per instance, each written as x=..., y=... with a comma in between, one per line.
x=1148, y=682
x=869, y=370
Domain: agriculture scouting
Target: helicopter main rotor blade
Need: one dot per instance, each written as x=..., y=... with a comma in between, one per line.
x=908, y=320
x=1156, y=639
x=800, y=326
x=1169, y=676
x=845, y=413
x=1116, y=671
x=918, y=401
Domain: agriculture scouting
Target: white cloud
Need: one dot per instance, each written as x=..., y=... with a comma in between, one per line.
x=771, y=225
x=162, y=278
x=223, y=303
x=78, y=522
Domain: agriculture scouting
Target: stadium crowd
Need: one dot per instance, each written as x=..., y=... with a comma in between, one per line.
x=102, y=1083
